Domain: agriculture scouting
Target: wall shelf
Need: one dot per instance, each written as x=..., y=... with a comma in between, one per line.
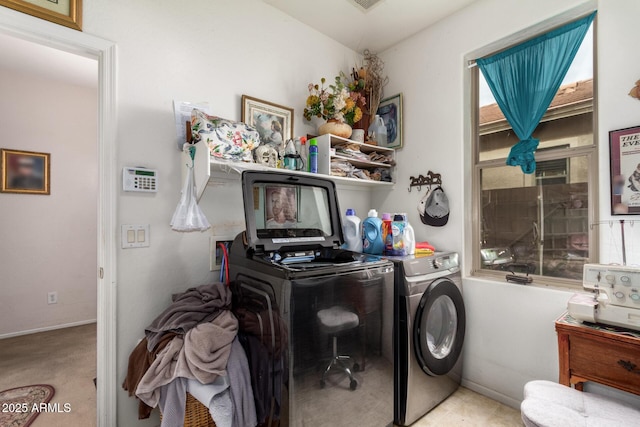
x=207, y=168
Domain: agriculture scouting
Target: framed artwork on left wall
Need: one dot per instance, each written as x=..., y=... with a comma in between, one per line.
x=25, y=172
x=63, y=12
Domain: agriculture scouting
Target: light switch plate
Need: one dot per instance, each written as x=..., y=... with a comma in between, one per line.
x=135, y=236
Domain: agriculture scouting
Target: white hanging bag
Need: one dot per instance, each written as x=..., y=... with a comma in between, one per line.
x=188, y=216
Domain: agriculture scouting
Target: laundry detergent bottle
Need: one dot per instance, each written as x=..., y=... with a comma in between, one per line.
x=397, y=232
x=387, y=237
x=409, y=237
x=352, y=236
x=372, y=242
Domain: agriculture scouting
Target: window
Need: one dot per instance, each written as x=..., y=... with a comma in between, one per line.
x=538, y=223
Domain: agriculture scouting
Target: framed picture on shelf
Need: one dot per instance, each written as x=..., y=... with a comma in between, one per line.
x=273, y=122
x=62, y=12
x=25, y=172
x=624, y=153
x=390, y=110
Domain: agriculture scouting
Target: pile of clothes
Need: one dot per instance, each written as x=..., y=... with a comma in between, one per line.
x=192, y=346
x=340, y=167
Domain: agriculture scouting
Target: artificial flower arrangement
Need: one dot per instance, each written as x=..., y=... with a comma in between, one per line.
x=339, y=101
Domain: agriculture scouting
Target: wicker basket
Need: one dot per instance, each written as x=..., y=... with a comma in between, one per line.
x=196, y=414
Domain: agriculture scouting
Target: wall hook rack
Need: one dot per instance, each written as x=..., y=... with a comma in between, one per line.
x=430, y=179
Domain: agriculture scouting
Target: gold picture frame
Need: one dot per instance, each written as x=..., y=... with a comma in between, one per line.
x=25, y=172
x=273, y=122
x=62, y=12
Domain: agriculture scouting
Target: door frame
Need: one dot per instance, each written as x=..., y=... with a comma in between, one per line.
x=29, y=28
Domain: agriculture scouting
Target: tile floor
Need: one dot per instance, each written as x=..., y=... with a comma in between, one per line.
x=466, y=408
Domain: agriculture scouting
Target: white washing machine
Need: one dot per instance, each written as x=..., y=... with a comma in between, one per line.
x=429, y=333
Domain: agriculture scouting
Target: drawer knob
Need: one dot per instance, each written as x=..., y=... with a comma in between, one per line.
x=631, y=367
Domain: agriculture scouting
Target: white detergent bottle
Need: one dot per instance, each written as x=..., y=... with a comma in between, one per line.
x=352, y=233
x=409, y=237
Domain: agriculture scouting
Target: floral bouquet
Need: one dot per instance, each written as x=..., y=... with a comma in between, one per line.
x=335, y=102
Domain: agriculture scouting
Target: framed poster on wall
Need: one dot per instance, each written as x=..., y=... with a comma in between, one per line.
x=390, y=110
x=624, y=153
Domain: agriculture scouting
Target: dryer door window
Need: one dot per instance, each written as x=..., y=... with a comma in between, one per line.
x=439, y=328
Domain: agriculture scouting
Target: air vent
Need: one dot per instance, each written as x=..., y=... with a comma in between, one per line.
x=364, y=5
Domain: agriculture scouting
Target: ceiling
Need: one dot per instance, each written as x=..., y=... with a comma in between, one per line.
x=377, y=28
x=381, y=25
x=41, y=61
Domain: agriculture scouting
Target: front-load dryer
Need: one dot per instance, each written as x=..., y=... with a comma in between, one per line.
x=429, y=333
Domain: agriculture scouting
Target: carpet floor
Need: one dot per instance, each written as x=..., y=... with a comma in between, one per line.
x=64, y=358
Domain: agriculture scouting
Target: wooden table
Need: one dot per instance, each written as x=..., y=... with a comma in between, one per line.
x=604, y=354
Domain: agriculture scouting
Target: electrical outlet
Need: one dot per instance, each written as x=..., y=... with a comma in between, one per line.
x=215, y=252
x=52, y=298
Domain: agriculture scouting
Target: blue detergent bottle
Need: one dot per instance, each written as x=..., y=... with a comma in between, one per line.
x=372, y=242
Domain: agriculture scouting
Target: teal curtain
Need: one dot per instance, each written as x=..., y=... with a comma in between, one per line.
x=525, y=78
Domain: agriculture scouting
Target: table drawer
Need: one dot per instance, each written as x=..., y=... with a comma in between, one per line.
x=607, y=362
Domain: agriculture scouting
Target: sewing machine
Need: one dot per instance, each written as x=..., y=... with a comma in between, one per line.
x=615, y=299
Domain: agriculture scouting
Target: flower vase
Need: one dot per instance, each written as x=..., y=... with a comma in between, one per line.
x=335, y=127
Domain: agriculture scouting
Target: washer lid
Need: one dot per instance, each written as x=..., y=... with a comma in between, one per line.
x=286, y=212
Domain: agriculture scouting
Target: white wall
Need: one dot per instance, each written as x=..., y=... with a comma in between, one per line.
x=203, y=50
x=217, y=50
x=48, y=243
x=510, y=336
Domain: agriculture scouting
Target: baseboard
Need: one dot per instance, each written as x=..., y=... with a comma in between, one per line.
x=47, y=328
x=509, y=401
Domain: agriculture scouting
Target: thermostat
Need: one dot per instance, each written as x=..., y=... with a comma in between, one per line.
x=139, y=179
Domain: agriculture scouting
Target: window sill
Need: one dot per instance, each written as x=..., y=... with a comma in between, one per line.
x=538, y=281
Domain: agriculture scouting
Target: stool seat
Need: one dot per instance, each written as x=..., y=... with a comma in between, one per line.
x=333, y=321
x=336, y=319
x=549, y=404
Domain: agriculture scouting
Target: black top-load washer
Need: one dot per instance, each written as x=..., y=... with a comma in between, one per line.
x=291, y=257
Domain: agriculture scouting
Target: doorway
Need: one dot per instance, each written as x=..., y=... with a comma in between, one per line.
x=45, y=33
x=48, y=252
